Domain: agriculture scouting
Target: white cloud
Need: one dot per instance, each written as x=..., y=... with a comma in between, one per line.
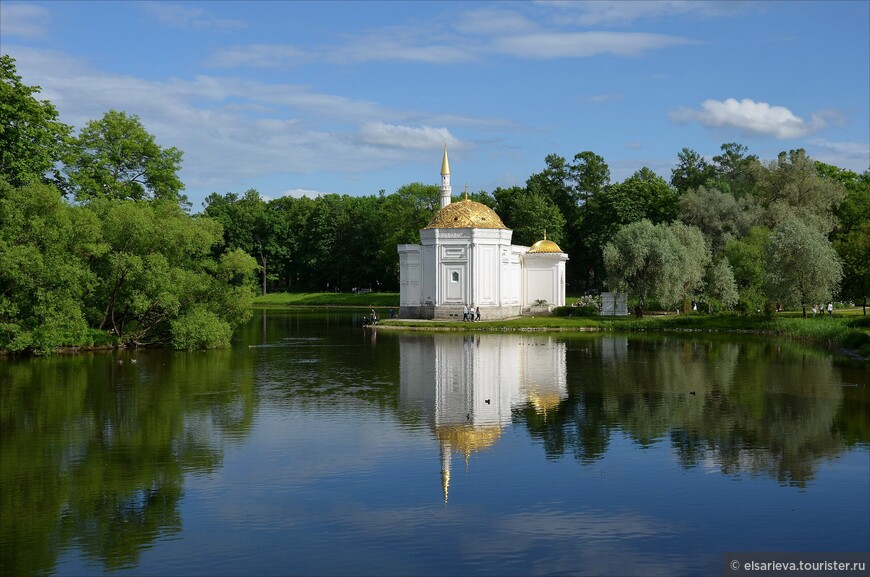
x=424, y=137
x=750, y=118
x=400, y=44
x=179, y=16
x=623, y=13
x=258, y=56
x=850, y=155
x=300, y=192
x=546, y=45
x=493, y=21
x=233, y=130
x=473, y=35
x=22, y=20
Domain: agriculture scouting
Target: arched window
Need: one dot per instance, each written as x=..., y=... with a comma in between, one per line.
x=454, y=277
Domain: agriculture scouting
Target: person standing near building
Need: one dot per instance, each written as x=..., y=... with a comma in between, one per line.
x=465, y=312
x=471, y=313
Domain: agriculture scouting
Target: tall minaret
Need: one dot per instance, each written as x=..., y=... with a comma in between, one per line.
x=446, y=191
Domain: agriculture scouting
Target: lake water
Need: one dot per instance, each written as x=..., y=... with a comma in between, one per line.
x=318, y=447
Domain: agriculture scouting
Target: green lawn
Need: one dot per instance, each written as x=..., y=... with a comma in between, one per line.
x=329, y=299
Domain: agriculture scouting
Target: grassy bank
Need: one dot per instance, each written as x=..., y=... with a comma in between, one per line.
x=846, y=329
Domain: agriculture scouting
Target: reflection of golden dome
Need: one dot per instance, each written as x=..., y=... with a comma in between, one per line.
x=467, y=439
x=545, y=246
x=466, y=214
x=543, y=402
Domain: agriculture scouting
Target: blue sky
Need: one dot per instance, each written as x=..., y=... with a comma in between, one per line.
x=354, y=97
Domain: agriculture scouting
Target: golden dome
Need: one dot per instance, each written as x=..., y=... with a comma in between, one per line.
x=466, y=214
x=545, y=246
x=467, y=439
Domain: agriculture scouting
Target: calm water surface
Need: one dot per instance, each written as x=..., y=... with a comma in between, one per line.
x=317, y=447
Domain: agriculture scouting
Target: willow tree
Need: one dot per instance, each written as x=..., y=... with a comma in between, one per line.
x=801, y=265
x=660, y=262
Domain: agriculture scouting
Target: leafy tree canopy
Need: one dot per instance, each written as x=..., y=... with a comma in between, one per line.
x=801, y=265
x=116, y=158
x=31, y=136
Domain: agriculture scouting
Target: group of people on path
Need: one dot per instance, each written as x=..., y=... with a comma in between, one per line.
x=468, y=313
x=820, y=309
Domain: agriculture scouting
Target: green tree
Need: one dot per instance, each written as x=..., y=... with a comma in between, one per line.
x=746, y=256
x=851, y=237
x=250, y=224
x=45, y=247
x=644, y=195
x=791, y=187
x=720, y=215
x=736, y=171
x=529, y=215
x=855, y=208
x=159, y=275
x=409, y=209
x=649, y=261
x=290, y=217
x=590, y=174
x=116, y=158
x=695, y=256
x=854, y=251
x=691, y=172
x=801, y=265
x=720, y=287
x=31, y=136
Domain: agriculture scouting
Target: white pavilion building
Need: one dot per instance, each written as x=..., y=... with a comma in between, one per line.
x=465, y=257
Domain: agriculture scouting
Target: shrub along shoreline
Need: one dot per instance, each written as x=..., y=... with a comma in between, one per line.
x=847, y=334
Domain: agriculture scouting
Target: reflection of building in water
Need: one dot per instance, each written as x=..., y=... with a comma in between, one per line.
x=467, y=385
x=614, y=349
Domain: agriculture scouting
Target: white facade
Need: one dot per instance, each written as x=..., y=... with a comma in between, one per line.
x=465, y=257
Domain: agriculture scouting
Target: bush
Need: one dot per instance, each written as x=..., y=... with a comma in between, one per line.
x=200, y=329
x=576, y=311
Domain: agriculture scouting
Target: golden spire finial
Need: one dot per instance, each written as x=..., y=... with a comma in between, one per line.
x=466, y=191
x=445, y=165
x=545, y=234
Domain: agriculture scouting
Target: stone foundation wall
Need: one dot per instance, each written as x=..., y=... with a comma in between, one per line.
x=454, y=313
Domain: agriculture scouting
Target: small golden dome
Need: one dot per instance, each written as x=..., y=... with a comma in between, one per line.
x=466, y=214
x=545, y=246
x=543, y=402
